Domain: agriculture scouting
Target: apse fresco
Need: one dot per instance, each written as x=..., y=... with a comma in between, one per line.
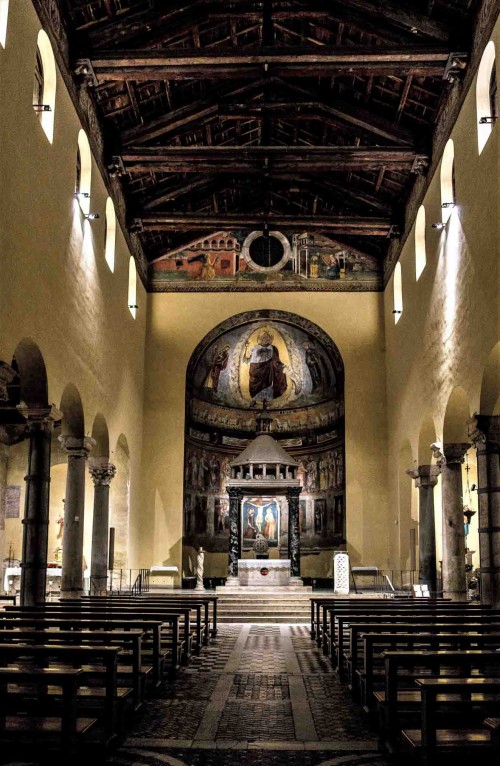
x=246, y=261
x=287, y=364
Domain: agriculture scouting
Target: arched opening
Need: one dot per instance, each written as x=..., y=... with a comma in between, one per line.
x=486, y=95
x=33, y=387
x=132, y=287
x=490, y=394
x=225, y=389
x=397, y=293
x=110, y=234
x=407, y=516
x=4, y=15
x=120, y=503
x=456, y=417
x=420, y=250
x=83, y=172
x=72, y=423
x=101, y=437
x=447, y=181
x=44, y=87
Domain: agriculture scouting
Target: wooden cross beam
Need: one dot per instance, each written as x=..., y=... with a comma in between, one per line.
x=342, y=224
x=251, y=159
x=198, y=64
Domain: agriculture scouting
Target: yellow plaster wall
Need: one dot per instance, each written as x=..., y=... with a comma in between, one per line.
x=55, y=286
x=450, y=321
x=177, y=323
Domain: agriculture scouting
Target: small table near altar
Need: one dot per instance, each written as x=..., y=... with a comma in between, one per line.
x=263, y=572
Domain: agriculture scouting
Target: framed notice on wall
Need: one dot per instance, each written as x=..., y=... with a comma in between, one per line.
x=12, y=502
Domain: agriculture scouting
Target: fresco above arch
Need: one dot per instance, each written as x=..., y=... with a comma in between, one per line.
x=226, y=261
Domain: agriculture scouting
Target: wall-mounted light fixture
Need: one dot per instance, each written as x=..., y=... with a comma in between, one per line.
x=82, y=195
x=488, y=120
x=397, y=311
x=91, y=216
x=133, y=306
x=439, y=226
x=447, y=204
x=42, y=107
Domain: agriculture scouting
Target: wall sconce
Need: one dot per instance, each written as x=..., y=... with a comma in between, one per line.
x=133, y=306
x=447, y=204
x=439, y=226
x=82, y=195
x=487, y=120
x=397, y=311
x=42, y=107
x=91, y=216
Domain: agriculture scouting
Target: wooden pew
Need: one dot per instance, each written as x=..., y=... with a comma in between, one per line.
x=100, y=662
x=341, y=642
x=210, y=602
x=432, y=743
x=65, y=731
x=129, y=640
x=395, y=610
x=150, y=628
x=370, y=676
x=400, y=700
x=165, y=614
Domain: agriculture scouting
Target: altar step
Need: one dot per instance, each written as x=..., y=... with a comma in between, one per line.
x=289, y=607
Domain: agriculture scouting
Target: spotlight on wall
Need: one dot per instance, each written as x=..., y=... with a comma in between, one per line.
x=448, y=204
x=82, y=195
x=91, y=216
x=42, y=107
x=439, y=226
x=487, y=120
x=397, y=311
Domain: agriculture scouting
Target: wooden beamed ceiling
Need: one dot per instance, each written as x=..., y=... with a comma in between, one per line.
x=231, y=113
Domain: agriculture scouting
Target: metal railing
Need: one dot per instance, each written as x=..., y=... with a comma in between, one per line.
x=133, y=581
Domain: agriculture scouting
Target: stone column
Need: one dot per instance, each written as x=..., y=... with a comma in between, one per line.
x=77, y=449
x=426, y=477
x=40, y=424
x=102, y=474
x=486, y=438
x=235, y=496
x=292, y=496
x=454, y=579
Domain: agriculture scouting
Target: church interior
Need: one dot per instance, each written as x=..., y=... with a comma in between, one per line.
x=249, y=382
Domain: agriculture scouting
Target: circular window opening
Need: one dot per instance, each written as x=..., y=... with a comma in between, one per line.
x=266, y=251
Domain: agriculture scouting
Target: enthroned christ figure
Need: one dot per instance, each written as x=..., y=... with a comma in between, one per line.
x=267, y=380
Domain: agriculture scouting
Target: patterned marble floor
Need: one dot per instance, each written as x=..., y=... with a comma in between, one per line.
x=259, y=695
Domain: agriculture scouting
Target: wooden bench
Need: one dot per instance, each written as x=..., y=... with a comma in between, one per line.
x=63, y=732
x=370, y=676
x=151, y=629
x=341, y=642
x=181, y=615
x=129, y=640
x=398, y=704
x=432, y=744
x=396, y=612
x=99, y=663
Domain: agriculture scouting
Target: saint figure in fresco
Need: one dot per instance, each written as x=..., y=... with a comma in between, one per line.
x=315, y=366
x=270, y=528
x=218, y=362
x=266, y=376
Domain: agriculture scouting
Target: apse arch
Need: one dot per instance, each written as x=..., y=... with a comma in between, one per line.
x=290, y=366
x=489, y=403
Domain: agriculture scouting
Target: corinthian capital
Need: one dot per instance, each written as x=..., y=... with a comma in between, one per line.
x=425, y=475
x=102, y=475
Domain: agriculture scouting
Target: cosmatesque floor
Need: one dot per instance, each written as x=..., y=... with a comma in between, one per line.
x=259, y=695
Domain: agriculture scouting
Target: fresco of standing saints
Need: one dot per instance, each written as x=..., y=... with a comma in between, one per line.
x=267, y=380
x=218, y=362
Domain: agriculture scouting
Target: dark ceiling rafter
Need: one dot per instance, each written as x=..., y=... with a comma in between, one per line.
x=315, y=113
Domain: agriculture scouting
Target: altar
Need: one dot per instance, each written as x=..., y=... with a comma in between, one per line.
x=263, y=572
